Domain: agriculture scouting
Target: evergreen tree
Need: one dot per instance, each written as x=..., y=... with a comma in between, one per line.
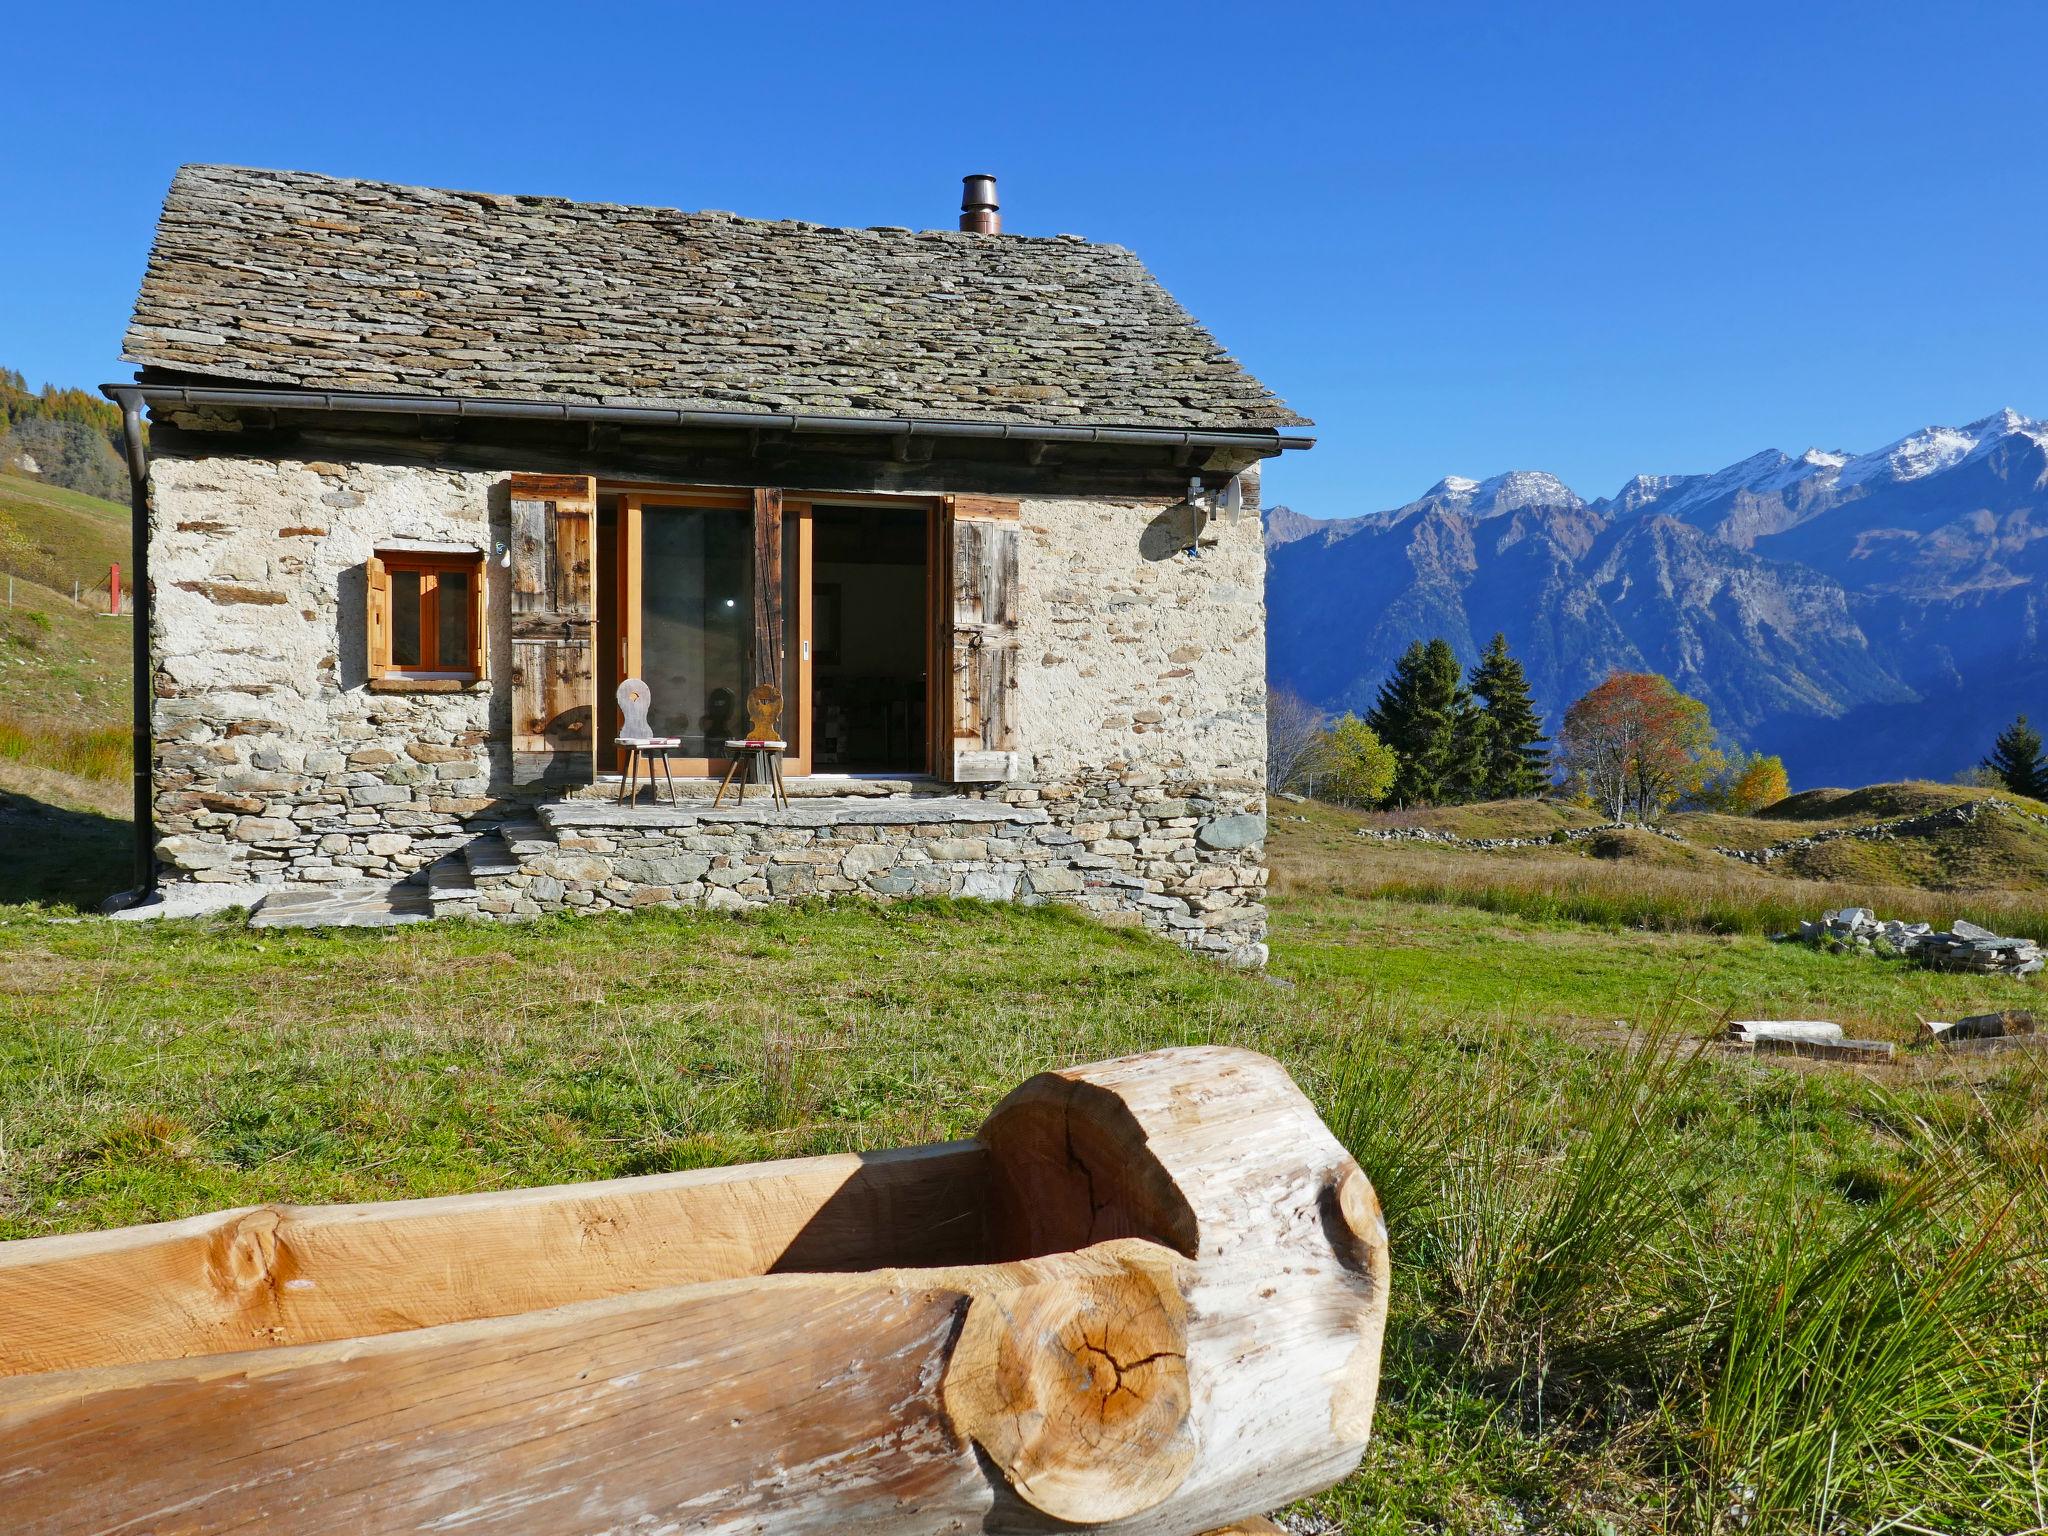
x=1426, y=717
x=2016, y=759
x=1514, y=751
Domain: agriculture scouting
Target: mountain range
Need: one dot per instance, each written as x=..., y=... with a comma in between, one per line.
x=1866, y=616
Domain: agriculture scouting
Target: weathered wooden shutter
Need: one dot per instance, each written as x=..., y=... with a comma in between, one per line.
x=479, y=621
x=377, y=617
x=981, y=556
x=554, y=629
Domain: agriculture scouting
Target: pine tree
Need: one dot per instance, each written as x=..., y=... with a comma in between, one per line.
x=1424, y=714
x=1516, y=754
x=2016, y=759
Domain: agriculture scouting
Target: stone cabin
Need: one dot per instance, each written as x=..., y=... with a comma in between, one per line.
x=430, y=472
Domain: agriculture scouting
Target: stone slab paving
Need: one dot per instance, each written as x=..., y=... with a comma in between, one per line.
x=575, y=815
x=344, y=906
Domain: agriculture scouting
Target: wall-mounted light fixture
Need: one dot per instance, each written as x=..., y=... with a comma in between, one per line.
x=1225, y=502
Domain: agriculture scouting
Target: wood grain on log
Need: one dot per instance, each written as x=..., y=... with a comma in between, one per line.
x=278, y=1275
x=1194, y=1340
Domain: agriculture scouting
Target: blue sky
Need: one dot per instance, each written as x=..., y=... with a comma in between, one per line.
x=1585, y=238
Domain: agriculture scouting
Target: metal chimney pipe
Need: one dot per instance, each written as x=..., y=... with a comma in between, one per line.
x=980, y=213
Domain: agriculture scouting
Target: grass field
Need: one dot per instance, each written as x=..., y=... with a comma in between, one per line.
x=1643, y=1284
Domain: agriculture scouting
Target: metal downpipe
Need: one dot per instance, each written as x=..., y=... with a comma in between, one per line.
x=142, y=688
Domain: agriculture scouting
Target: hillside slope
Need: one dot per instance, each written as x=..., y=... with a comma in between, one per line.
x=55, y=537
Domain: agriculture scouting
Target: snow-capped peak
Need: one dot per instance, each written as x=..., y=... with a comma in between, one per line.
x=1491, y=497
x=1933, y=449
x=1523, y=488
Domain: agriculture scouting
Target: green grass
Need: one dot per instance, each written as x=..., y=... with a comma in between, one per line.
x=1642, y=1282
x=1590, y=1222
x=62, y=666
x=54, y=537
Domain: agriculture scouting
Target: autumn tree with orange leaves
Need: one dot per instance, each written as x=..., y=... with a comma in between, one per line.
x=1635, y=744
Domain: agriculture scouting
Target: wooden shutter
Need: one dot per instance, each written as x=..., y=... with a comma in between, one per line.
x=479, y=621
x=377, y=616
x=554, y=629
x=981, y=564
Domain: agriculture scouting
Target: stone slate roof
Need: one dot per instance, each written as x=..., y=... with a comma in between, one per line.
x=289, y=278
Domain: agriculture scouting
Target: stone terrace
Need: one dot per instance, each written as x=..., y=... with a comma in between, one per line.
x=1184, y=876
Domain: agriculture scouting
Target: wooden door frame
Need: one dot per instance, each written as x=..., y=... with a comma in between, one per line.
x=798, y=637
x=797, y=509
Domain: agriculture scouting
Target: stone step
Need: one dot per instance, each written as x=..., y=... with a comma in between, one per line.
x=524, y=837
x=448, y=880
x=344, y=906
x=490, y=855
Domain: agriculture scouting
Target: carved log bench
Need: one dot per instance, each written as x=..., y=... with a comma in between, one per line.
x=1147, y=1297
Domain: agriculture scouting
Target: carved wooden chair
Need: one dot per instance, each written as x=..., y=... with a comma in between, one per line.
x=759, y=751
x=642, y=745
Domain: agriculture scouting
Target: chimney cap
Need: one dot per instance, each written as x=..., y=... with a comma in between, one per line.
x=980, y=213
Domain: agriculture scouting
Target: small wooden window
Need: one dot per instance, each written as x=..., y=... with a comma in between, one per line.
x=426, y=615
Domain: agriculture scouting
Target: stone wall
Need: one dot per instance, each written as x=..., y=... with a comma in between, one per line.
x=1192, y=881
x=275, y=760
x=1140, y=702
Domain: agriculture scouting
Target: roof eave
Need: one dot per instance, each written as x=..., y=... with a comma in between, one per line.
x=1267, y=441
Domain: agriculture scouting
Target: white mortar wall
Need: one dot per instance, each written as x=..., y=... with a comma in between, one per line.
x=1134, y=652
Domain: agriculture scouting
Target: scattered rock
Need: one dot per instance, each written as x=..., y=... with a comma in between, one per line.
x=1965, y=947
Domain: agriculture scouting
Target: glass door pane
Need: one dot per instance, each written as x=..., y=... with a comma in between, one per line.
x=697, y=622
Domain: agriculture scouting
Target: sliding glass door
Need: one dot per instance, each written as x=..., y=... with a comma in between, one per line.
x=849, y=609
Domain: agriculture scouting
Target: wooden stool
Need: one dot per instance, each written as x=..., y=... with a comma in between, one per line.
x=642, y=745
x=761, y=750
x=654, y=751
x=760, y=755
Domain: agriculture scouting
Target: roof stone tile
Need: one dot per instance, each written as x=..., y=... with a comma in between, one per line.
x=284, y=277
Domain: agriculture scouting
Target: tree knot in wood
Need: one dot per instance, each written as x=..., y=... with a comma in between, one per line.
x=1077, y=1388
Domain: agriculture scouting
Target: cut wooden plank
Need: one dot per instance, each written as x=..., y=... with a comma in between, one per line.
x=787, y=1404
x=1991, y=1045
x=1993, y=1026
x=1213, y=1152
x=1829, y=1050
x=280, y=1275
x=1214, y=1356
x=1784, y=1029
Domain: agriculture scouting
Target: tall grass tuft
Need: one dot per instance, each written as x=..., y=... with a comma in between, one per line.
x=1807, y=1364
x=104, y=753
x=1881, y=1367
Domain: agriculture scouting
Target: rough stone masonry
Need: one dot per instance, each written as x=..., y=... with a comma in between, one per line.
x=1140, y=702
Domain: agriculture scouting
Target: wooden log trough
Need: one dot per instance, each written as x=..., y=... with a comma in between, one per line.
x=1147, y=1298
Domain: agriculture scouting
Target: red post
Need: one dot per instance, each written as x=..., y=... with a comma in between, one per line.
x=114, y=588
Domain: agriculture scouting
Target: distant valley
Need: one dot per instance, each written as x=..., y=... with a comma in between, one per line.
x=1867, y=616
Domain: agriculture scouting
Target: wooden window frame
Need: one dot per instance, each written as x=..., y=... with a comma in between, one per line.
x=430, y=566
